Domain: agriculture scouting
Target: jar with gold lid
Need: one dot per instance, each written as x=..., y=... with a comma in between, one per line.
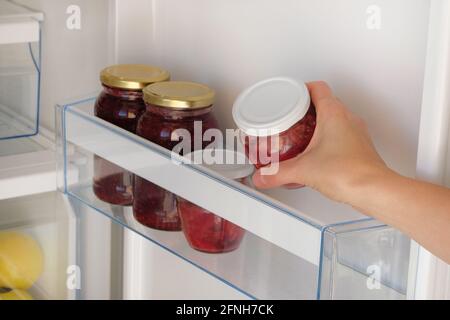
x=121, y=103
x=170, y=106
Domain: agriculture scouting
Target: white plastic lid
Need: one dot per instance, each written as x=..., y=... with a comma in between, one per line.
x=230, y=164
x=271, y=106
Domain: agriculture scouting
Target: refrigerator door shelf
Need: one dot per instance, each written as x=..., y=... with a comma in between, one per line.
x=288, y=252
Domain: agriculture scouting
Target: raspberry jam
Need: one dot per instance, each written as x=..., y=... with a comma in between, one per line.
x=154, y=206
x=207, y=232
x=277, y=121
x=121, y=103
x=290, y=143
x=204, y=230
x=123, y=108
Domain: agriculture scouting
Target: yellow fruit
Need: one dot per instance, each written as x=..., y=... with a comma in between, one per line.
x=15, y=295
x=21, y=260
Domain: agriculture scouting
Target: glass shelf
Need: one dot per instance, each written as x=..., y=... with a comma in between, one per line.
x=289, y=252
x=27, y=166
x=20, y=61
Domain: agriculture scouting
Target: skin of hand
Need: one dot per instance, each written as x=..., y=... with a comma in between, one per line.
x=342, y=163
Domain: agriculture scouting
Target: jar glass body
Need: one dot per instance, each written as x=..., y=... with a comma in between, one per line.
x=207, y=232
x=154, y=206
x=263, y=150
x=122, y=108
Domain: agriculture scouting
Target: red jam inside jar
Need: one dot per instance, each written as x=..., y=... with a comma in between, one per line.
x=285, y=146
x=277, y=119
x=121, y=103
x=170, y=106
x=205, y=231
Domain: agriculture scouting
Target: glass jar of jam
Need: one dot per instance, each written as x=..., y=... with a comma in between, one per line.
x=121, y=103
x=204, y=230
x=170, y=106
x=277, y=120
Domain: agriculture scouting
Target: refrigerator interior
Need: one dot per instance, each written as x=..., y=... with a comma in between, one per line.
x=372, y=53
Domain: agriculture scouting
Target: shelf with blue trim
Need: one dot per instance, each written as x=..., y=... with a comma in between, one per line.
x=320, y=249
x=20, y=63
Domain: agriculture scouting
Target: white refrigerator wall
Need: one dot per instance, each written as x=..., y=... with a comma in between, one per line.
x=378, y=73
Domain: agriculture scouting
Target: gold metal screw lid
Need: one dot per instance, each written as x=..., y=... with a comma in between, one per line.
x=132, y=76
x=179, y=95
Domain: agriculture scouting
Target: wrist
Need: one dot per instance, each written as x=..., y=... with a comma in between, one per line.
x=366, y=185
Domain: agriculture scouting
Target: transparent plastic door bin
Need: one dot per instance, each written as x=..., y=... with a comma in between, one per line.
x=319, y=250
x=20, y=56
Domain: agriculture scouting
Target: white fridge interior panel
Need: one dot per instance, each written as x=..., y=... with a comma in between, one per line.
x=378, y=73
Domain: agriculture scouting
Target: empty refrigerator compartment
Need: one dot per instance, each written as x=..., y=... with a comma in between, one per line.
x=19, y=70
x=288, y=252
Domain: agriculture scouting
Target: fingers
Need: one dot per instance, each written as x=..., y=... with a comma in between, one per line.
x=287, y=174
x=321, y=93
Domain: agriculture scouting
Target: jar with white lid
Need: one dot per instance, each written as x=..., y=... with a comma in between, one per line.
x=277, y=120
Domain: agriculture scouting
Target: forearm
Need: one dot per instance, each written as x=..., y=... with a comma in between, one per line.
x=420, y=210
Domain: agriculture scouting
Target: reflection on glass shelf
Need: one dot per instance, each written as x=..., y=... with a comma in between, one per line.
x=35, y=238
x=288, y=252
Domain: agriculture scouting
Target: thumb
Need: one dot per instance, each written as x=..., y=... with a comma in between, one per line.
x=287, y=173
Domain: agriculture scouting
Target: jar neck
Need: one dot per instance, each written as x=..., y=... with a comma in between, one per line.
x=124, y=93
x=171, y=113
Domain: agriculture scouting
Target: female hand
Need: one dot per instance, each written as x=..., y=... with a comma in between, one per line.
x=340, y=154
x=341, y=162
